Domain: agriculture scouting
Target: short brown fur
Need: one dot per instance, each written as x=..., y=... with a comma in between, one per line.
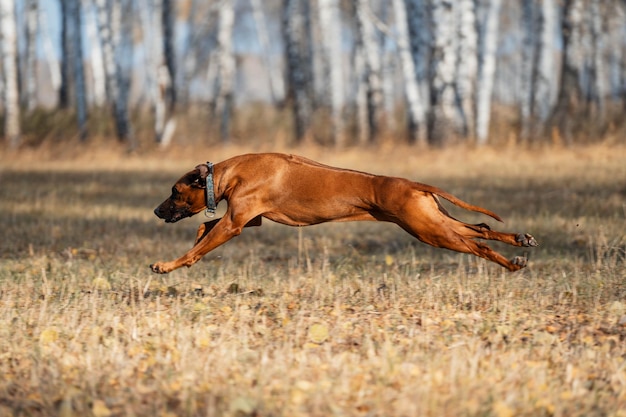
x=296, y=191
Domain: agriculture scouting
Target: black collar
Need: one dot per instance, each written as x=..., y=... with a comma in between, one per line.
x=210, y=192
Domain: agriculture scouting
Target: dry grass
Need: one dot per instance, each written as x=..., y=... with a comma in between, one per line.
x=351, y=319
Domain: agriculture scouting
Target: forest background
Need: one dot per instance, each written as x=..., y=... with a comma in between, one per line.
x=330, y=72
x=516, y=106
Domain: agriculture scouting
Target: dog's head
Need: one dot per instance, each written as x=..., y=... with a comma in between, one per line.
x=188, y=196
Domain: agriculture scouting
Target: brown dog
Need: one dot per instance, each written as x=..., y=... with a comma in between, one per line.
x=299, y=192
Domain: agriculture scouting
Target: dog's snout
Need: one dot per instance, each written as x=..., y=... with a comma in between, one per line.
x=159, y=212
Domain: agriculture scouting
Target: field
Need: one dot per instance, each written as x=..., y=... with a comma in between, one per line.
x=354, y=319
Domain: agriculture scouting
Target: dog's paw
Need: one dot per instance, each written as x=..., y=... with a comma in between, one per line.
x=520, y=261
x=159, y=268
x=524, y=239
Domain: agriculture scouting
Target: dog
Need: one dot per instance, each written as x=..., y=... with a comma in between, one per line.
x=296, y=191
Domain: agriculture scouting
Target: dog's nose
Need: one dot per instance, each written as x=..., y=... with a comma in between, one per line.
x=157, y=213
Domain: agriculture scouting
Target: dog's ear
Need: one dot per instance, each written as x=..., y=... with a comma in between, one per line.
x=200, y=173
x=203, y=171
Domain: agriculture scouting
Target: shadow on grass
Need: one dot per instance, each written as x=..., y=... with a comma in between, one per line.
x=111, y=213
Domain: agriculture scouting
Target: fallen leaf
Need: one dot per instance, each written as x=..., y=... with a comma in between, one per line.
x=101, y=284
x=501, y=409
x=318, y=333
x=100, y=409
x=48, y=336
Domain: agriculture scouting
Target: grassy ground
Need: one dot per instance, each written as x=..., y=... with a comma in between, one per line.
x=350, y=320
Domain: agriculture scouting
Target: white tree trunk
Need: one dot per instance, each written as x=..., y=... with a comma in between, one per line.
x=29, y=94
x=275, y=82
x=616, y=32
x=123, y=39
x=442, y=112
x=598, y=84
x=157, y=77
x=420, y=37
x=225, y=68
x=372, y=68
x=114, y=91
x=416, y=113
x=543, y=80
x=66, y=51
x=570, y=94
x=361, y=95
x=298, y=65
x=49, y=54
x=330, y=29
x=168, y=21
x=538, y=66
x=486, y=67
x=466, y=41
x=528, y=57
x=11, y=103
x=159, y=80
x=97, y=62
x=78, y=68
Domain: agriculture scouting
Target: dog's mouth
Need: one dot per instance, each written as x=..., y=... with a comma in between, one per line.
x=176, y=217
x=171, y=217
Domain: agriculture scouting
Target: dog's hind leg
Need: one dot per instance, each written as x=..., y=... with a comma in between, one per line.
x=484, y=251
x=422, y=218
x=448, y=239
x=483, y=231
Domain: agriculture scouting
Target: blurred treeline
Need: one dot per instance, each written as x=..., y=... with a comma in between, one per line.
x=335, y=72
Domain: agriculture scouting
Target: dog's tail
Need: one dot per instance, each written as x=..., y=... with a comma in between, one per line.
x=457, y=201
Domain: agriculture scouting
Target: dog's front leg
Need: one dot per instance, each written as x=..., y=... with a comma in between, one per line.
x=206, y=227
x=204, y=230
x=209, y=236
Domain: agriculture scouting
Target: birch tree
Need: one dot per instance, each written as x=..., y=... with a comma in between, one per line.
x=466, y=65
x=296, y=38
x=442, y=111
x=418, y=23
x=487, y=45
x=528, y=49
x=8, y=41
x=97, y=62
x=29, y=89
x=371, y=77
x=330, y=30
x=570, y=93
x=124, y=24
x=415, y=109
x=273, y=74
x=74, y=11
x=64, y=89
x=168, y=21
x=159, y=79
x=190, y=57
x=360, y=97
x=115, y=90
x=544, y=76
x=539, y=20
x=49, y=52
x=597, y=67
x=224, y=82
x=616, y=33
